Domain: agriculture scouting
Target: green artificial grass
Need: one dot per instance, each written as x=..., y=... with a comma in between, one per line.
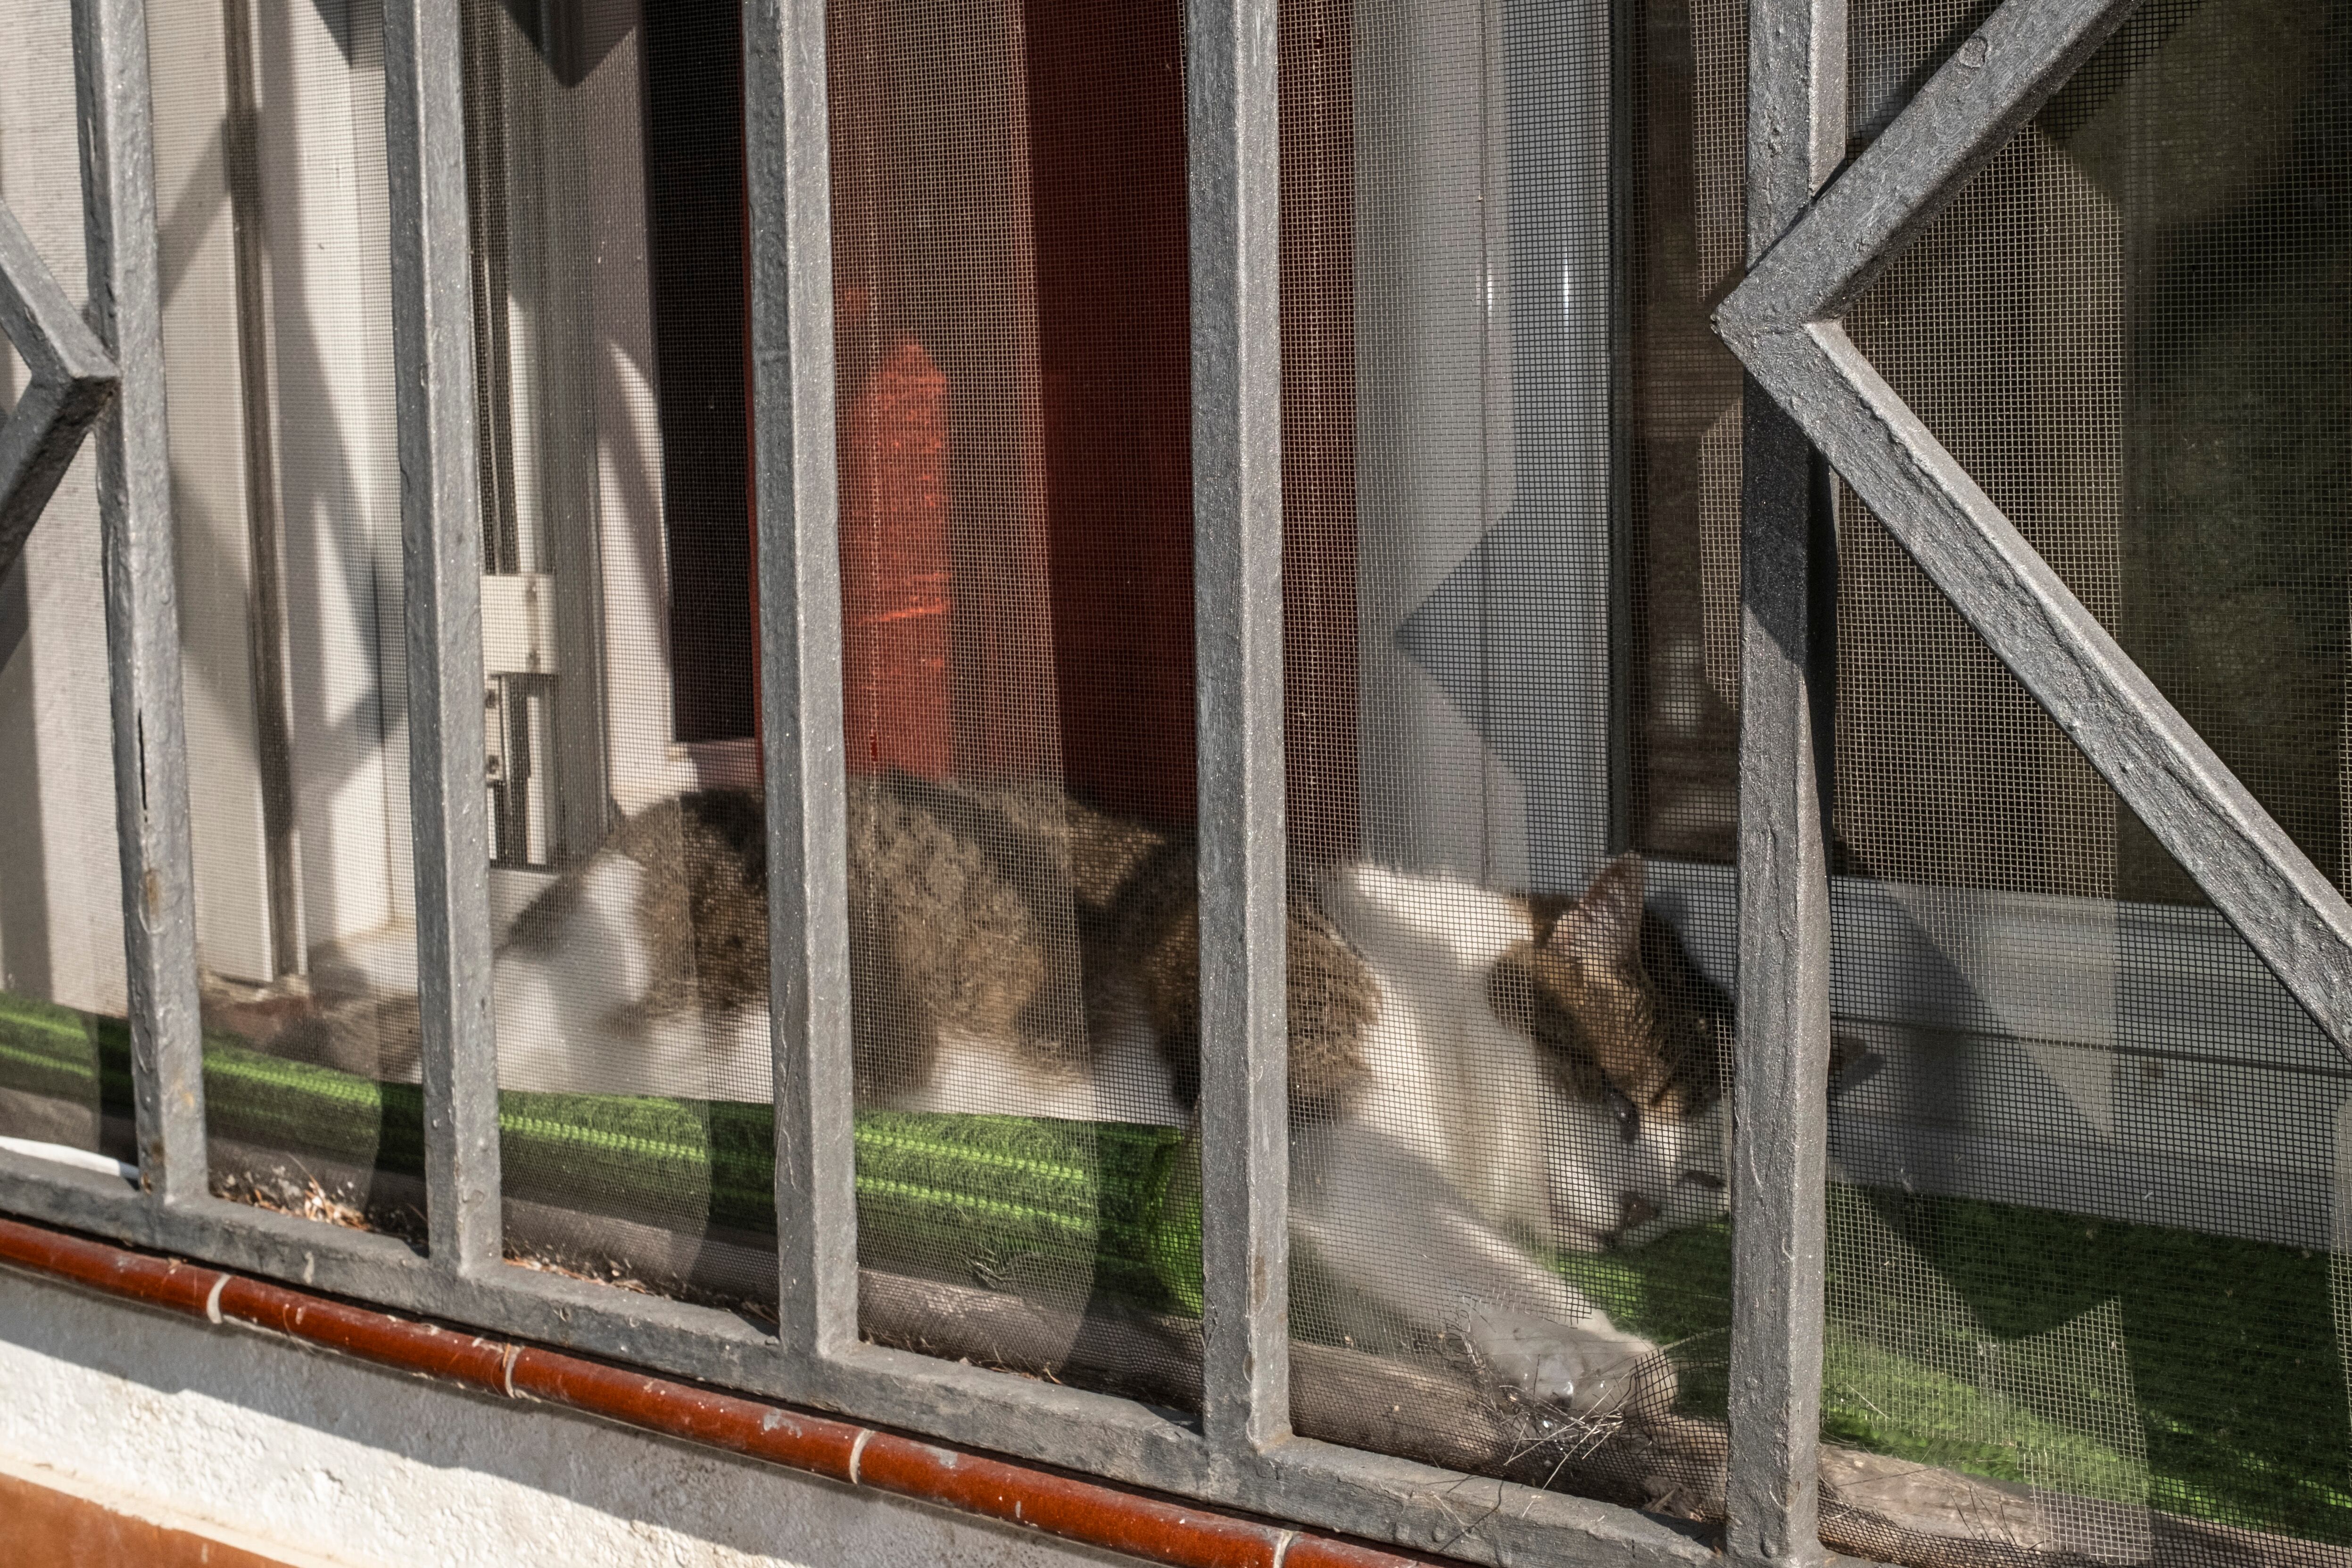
x=2197, y=1373
x=2200, y=1373
x=993, y=1195
x=2221, y=1352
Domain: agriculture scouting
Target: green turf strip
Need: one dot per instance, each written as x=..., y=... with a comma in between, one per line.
x=2199, y=1372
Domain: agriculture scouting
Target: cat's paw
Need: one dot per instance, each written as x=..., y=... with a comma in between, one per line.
x=1589, y=1368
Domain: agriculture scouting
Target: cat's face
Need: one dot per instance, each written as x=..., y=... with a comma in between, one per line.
x=1634, y=1034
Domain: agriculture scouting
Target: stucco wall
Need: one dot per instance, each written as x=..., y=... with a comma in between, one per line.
x=317, y=1459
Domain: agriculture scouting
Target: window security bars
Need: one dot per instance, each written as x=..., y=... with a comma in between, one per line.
x=1814, y=242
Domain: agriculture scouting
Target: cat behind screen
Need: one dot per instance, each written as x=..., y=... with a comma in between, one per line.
x=1475, y=1077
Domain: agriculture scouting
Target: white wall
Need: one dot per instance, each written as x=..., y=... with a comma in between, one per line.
x=211, y=496
x=316, y=1459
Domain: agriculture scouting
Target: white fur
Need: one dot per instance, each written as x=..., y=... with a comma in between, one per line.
x=1128, y=1082
x=1461, y=1158
x=563, y=1020
x=1463, y=1153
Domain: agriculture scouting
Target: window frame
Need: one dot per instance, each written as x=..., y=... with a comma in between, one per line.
x=1814, y=240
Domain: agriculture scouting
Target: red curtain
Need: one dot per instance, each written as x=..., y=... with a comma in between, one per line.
x=1009, y=252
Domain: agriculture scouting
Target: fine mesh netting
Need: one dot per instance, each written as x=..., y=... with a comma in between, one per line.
x=2082, y=1226
x=1683, y=111
x=631, y=979
x=2088, y=1299
x=1507, y=1144
x=1011, y=327
x=2080, y=1232
x=627, y=842
x=61, y=960
x=269, y=158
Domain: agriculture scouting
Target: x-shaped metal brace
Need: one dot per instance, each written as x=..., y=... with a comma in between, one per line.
x=72, y=377
x=1783, y=322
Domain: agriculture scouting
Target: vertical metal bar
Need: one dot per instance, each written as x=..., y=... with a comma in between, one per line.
x=1232, y=126
x=1780, y=1107
x=142, y=618
x=441, y=543
x=1779, y=1104
x=795, y=489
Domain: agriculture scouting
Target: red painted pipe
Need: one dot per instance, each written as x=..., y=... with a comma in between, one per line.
x=1182, y=1534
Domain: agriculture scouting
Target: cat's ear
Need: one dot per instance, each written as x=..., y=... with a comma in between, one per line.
x=1605, y=926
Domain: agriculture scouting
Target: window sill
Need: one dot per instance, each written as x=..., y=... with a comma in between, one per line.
x=1057, y=1505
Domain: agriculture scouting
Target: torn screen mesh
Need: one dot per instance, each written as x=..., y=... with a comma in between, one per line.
x=2082, y=1224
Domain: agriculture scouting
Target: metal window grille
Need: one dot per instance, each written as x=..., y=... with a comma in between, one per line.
x=1820, y=226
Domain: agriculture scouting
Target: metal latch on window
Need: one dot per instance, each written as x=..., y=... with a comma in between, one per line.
x=518, y=662
x=519, y=623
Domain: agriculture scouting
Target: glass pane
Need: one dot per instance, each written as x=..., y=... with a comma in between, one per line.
x=2084, y=1293
x=270, y=159
x=64, y=1085
x=1010, y=272
x=1506, y=1038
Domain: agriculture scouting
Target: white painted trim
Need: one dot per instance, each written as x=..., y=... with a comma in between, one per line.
x=66, y=1154
x=2132, y=1061
x=2090, y=971
x=519, y=623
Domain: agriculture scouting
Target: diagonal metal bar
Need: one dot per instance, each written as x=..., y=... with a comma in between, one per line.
x=796, y=498
x=49, y=335
x=1233, y=173
x=1994, y=83
x=441, y=548
x=71, y=378
x=1781, y=324
x=142, y=618
x=2286, y=908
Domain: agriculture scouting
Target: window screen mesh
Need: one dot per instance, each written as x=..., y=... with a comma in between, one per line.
x=2087, y=1294
x=628, y=879
x=1010, y=296
x=2082, y=1224
x=277, y=361
x=1683, y=112
x=64, y=1047
x=1508, y=1152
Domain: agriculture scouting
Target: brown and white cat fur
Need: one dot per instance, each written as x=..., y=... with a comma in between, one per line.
x=1476, y=1077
